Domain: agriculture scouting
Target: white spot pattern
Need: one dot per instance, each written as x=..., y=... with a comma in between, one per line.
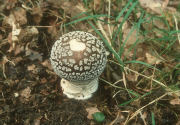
x=86, y=64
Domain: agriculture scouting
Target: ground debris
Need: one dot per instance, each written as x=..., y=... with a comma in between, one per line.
x=30, y=91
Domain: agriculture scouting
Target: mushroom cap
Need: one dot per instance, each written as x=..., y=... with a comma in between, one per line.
x=78, y=56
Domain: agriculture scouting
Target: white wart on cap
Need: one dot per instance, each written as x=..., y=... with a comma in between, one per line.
x=79, y=58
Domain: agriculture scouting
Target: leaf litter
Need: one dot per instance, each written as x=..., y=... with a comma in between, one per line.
x=29, y=85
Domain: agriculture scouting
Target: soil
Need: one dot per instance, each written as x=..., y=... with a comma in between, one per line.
x=30, y=93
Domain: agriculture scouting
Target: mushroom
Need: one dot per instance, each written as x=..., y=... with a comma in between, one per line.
x=78, y=58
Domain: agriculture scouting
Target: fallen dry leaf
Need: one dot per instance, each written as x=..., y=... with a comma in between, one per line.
x=97, y=4
x=17, y=60
x=12, y=36
x=43, y=80
x=175, y=101
x=157, y=6
x=154, y=5
x=37, y=121
x=132, y=77
x=81, y=7
x=178, y=123
x=77, y=8
x=136, y=103
x=18, y=49
x=29, y=34
x=47, y=64
x=152, y=59
x=53, y=30
x=91, y=111
x=33, y=55
x=44, y=92
x=144, y=115
x=37, y=13
x=160, y=24
x=132, y=37
x=31, y=67
x=9, y=4
x=8, y=20
x=1, y=37
x=20, y=16
x=26, y=93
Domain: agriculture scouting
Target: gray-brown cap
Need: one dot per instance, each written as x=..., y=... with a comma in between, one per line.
x=78, y=56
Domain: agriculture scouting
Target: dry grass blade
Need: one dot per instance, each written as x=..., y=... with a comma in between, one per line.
x=109, y=14
x=140, y=83
x=160, y=83
x=103, y=32
x=139, y=110
x=111, y=84
x=178, y=34
x=114, y=121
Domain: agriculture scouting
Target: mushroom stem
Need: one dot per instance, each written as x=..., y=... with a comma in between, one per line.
x=79, y=90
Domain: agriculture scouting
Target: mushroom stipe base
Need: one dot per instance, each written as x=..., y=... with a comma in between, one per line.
x=79, y=90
